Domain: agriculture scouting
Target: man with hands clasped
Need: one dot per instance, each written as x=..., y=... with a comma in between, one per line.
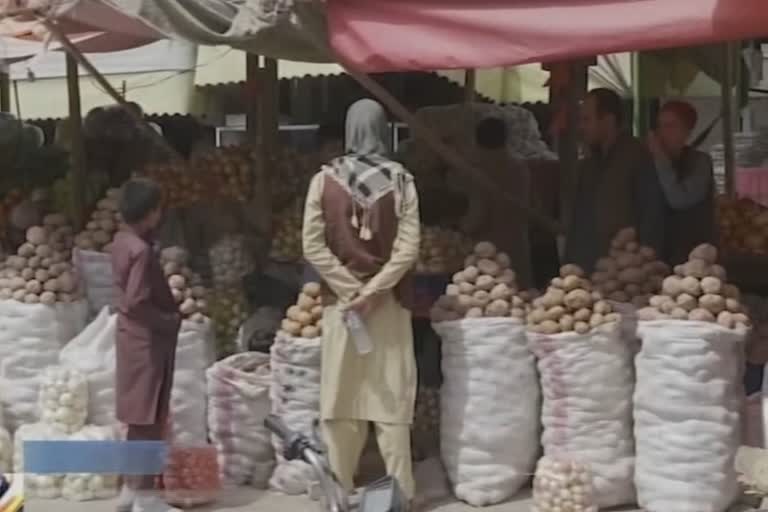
x=361, y=234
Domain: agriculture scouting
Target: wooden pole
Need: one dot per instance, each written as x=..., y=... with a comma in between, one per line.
x=77, y=149
x=252, y=73
x=568, y=149
x=270, y=106
x=258, y=214
x=727, y=103
x=470, y=85
x=5, y=92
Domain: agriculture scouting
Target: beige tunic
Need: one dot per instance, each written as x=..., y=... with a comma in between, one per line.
x=379, y=386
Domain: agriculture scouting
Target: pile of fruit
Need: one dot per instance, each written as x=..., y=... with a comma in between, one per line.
x=286, y=241
x=181, y=188
x=289, y=174
x=225, y=172
x=441, y=250
x=743, y=225
x=699, y=291
x=304, y=319
x=191, y=476
x=485, y=288
x=570, y=305
x=41, y=271
x=104, y=223
x=562, y=485
x=186, y=286
x=631, y=273
x=228, y=308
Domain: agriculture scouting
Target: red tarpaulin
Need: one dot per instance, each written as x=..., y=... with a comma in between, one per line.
x=392, y=35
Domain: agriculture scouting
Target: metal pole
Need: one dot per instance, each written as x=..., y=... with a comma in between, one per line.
x=77, y=149
x=727, y=103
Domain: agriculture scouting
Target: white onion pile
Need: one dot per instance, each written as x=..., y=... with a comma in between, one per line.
x=305, y=318
x=562, y=486
x=37, y=486
x=63, y=399
x=487, y=287
x=41, y=271
x=186, y=286
x=441, y=250
x=104, y=223
x=83, y=486
x=570, y=305
x=632, y=273
x=699, y=291
x=6, y=451
x=286, y=241
x=228, y=309
x=230, y=261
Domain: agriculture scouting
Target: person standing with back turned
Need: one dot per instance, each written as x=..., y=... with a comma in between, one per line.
x=148, y=324
x=616, y=186
x=361, y=233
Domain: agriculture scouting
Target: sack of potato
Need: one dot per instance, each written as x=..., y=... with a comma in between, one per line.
x=689, y=391
x=585, y=370
x=489, y=449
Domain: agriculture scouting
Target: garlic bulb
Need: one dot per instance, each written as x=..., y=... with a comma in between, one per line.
x=63, y=399
x=82, y=486
x=562, y=486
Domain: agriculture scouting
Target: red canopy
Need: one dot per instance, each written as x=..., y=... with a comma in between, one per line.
x=392, y=35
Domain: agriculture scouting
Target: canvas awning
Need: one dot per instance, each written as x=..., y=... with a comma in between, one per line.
x=387, y=35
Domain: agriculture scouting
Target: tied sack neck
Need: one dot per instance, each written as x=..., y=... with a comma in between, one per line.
x=368, y=178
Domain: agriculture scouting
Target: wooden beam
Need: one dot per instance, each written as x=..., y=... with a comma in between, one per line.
x=728, y=118
x=270, y=105
x=252, y=86
x=5, y=92
x=77, y=147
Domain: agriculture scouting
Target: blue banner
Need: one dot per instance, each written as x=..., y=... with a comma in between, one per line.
x=96, y=457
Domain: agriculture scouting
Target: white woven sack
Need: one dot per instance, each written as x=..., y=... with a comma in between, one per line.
x=188, y=395
x=37, y=486
x=587, y=382
x=490, y=404
x=92, y=353
x=687, y=407
x=238, y=403
x=95, y=272
x=6, y=452
x=295, y=394
x=31, y=336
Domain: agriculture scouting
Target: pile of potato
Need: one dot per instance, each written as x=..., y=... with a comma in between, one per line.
x=286, y=241
x=104, y=223
x=305, y=318
x=560, y=486
x=41, y=271
x=743, y=225
x=226, y=173
x=699, y=291
x=186, y=286
x=487, y=287
x=631, y=273
x=228, y=309
x=180, y=186
x=570, y=305
x=441, y=251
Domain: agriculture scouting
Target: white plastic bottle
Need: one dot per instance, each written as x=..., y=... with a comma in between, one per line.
x=358, y=332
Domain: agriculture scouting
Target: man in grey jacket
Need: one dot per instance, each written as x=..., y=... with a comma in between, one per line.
x=616, y=185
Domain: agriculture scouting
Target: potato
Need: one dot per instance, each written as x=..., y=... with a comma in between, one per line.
x=668, y=307
x=672, y=286
x=305, y=302
x=599, y=278
x=26, y=250
x=177, y=281
x=679, y=314
x=631, y=275
x=602, y=307
x=649, y=314
x=706, y=253
x=696, y=268
x=500, y=292
x=571, y=283
x=596, y=320
x=538, y=315
x=488, y=267
x=481, y=298
x=291, y=327
x=470, y=261
x=701, y=315
x=34, y=287
x=517, y=313
x=485, y=282
x=452, y=290
x=317, y=312
x=188, y=307
x=582, y=315
x=611, y=286
x=485, y=250
x=293, y=313
x=19, y=295
x=507, y=276
x=687, y=302
x=725, y=318
x=633, y=290
x=311, y=289
x=43, y=251
x=549, y=327
x=711, y=285
x=464, y=303
x=553, y=297
x=475, y=313
x=566, y=323
x=557, y=282
x=555, y=313
x=741, y=318
x=17, y=283
x=471, y=274
x=497, y=308
x=467, y=288
x=48, y=298
x=581, y=327
x=625, y=261
x=503, y=260
x=571, y=270
x=32, y=298
x=712, y=303
x=733, y=305
x=36, y=235
x=27, y=274
x=731, y=291
x=67, y=283
x=458, y=278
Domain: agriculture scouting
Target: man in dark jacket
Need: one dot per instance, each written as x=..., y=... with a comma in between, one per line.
x=616, y=185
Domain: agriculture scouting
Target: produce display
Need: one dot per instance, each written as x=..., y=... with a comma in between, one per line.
x=63, y=399
x=570, y=305
x=699, y=291
x=304, y=319
x=86, y=486
x=486, y=287
x=289, y=174
x=104, y=223
x=230, y=261
x=191, y=476
x=186, y=286
x=561, y=486
x=441, y=250
x=228, y=308
x=631, y=273
x=743, y=225
x=180, y=187
x=226, y=173
x=286, y=241
x=40, y=271
x=37, y=486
